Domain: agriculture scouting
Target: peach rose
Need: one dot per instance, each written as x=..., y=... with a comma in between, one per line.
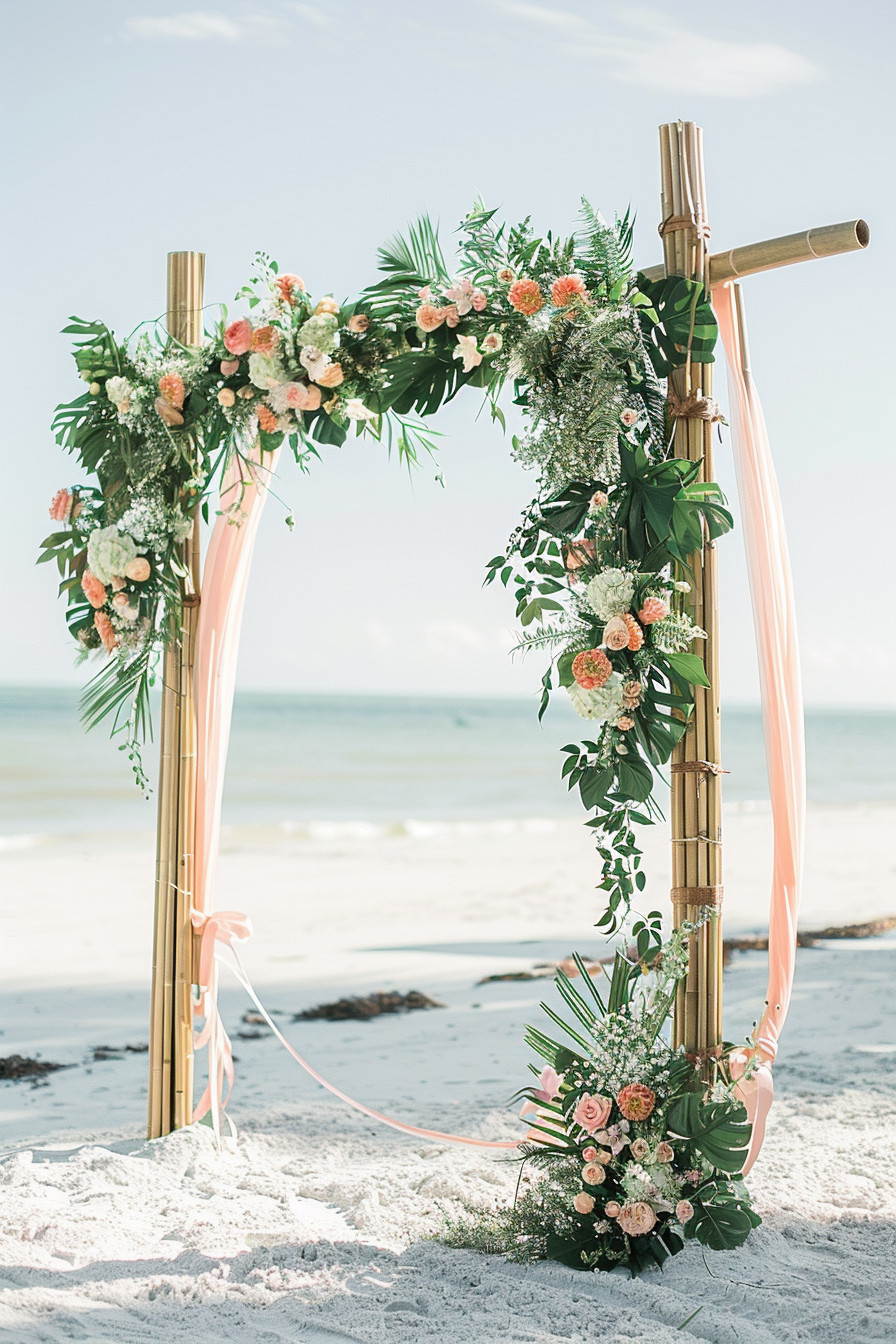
x=640, y=1148
x=137, y=570
x=525, y=297
x=612, y=1209
x=590, y=1154
x=583, y=1203
x=593, y=1173
x=358, y=323
x=167, y=412
x=636, y=1101
x=116, y=583
x=229, y=367
x=428, y=317
x=327, y=305
x=238, y=336
x=331, y=377
x=287, y=286
x=171, y=386
x=122, y=606
x=592, y=1113
x=314, y=399
x=591, y=669
x=654, y=609
x=664, y=1152
x=105, y=630
x=684, y=1211
x=616, y=633
x=625, y=724
x=265, y=340
x=226, y=397
x=578, y=553
x=631, y=694
x=637, y=1219
x=564, y=290
x=93, y=590
x=604, y=1156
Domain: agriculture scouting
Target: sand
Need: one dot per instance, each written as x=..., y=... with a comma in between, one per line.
x=315, y=1224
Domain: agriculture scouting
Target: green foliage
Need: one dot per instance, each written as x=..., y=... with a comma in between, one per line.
x=719, y=1132
x=679, y=324
x=723, y=1218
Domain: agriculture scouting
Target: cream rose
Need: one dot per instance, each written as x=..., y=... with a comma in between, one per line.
x=637, y=1219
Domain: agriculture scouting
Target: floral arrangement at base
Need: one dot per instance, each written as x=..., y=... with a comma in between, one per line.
x=631, y=1152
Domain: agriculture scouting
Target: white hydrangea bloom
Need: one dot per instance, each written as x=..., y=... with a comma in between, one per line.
x=119, y=391
x=603, y=704
x=109, y=552
x=265, y=371
x=611, y=592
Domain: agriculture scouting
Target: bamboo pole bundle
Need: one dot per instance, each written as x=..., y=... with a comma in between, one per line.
x=696, y=812
x=830, y=240
x=171, y=1010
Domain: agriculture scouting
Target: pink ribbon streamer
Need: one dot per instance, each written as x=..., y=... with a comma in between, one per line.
x=771, y=590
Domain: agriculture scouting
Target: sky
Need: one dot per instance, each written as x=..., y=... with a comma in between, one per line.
x=316, y=131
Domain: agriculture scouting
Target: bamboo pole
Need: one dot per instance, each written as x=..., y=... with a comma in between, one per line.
x=830, y=240
x=696, y=794
x=171, y=1009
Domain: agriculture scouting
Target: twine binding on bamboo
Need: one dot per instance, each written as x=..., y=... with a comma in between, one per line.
x=694, y=407
x=698, y=896
x=675, y=222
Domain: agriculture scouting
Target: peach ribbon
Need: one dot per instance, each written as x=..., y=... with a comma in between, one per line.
x=228, y=927
x=771, y=590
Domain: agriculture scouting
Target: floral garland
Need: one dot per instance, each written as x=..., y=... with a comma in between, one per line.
x=599, y=564
x=633, y=1153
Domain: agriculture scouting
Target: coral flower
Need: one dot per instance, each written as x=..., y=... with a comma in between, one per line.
x=267, y=420
x=636, y=1101
x=238, y=336
x=287, y=286
x=637, y=1219
x=428, y=317
x=592, y=1112
x=625, y=724
x=105, y=630
x=264, y=340
x=591, y=669
x=583, y=1203
x=61, y=506
x=171, y=386
x=654, y=609
x=564, y=290
x=358, y=323
x=331, y=377
x=525, y=296
x=635, y=633
x=93, y=589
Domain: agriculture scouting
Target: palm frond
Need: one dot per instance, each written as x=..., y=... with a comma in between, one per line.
x=415, y=257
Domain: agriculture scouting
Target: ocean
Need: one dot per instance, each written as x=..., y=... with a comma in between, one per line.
x=297, y=760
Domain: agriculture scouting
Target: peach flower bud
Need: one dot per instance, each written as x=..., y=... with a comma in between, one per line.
x=616, y=633
x=506, y=275
x=94, y=389
x=428, y=317
x=137, y=570
x=167, y=412
x=226, y=397
x=631, y=694
x=327, y=305
x=358, y=323
x=637, y=1219
x=590, y=1154
x=579, y=552
x=247, y=392
x=604, y=1155
x=452, y=316
x=599, y=500
x=314, y=399
x=611, y=1209
x=628, y=417
x=583, y=1203
x=684, y=1210
x=331, y=377
x=664, y=1152
x=640, y=1148
x=593, y=1173
x=229, y=367
x=625, y=723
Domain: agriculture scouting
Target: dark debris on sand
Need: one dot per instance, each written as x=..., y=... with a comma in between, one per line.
x=361, y=1009
x=15, y=1067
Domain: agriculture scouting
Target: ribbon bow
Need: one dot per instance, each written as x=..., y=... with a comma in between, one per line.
x=228, y=927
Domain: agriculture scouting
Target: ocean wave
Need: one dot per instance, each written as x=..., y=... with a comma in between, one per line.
x=30, y=841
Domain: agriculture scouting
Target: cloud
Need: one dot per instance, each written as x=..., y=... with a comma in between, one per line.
x=661, y=56
x=201, y=26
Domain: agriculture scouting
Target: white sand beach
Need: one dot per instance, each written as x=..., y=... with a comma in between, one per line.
x=315, y=1223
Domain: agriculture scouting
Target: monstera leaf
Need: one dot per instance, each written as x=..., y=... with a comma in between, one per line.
x=719, y=1130
x=722, y=1217
x=680, y=320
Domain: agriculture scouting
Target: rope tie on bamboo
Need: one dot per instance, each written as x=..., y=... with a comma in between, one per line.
x=711, y=896
x=675, y=222
x=693, y=407
x=698, y=768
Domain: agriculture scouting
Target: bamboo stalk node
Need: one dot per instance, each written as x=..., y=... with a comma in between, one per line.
x=697, y=896
x=675, y=222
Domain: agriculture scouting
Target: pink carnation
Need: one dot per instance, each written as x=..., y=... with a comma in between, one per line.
x=654, y=609
x=525, y=297
x=61, y=505
x=105, y=630
x=94, y=591
x=238, y=336
x=171, y=386
x=592, y=1112
x=566, y=289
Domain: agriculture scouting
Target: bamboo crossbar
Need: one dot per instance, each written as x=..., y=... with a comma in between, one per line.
x=830, y=240
x=696, y=805
x=171, y=1008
